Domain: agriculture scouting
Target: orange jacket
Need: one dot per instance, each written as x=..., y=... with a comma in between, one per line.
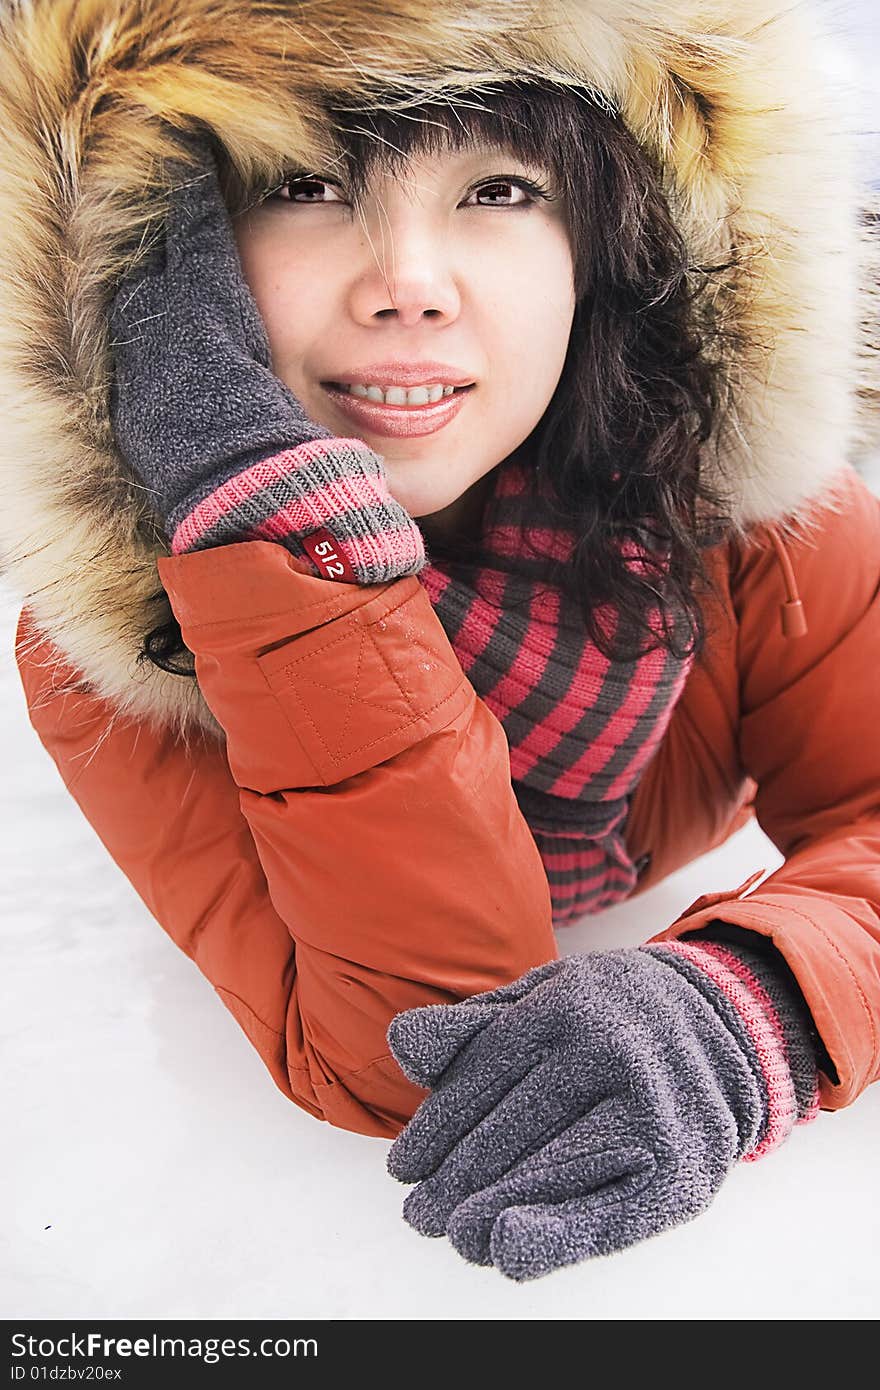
x=355, y=847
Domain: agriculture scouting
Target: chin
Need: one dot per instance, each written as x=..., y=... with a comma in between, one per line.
x=417, y=504
x=423, y=510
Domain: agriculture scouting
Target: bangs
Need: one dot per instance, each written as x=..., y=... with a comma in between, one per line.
x=540, y=125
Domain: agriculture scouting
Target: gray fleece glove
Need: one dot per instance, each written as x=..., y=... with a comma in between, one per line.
x=225, y=449
x=598, y=1100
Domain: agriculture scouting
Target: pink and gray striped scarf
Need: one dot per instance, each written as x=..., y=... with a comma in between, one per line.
x=581, y=729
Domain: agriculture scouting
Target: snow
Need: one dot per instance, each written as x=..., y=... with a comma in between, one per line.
x=155, y=1172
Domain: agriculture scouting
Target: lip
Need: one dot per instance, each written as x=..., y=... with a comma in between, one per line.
x=409, y=373
x=399, y=421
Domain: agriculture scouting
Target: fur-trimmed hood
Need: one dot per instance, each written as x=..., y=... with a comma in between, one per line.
x=735, y=97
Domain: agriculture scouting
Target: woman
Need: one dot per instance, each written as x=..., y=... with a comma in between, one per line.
x=465, y=668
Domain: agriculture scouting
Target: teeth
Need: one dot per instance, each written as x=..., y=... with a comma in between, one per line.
x=400, y=395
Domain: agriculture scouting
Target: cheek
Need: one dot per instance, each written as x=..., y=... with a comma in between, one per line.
x=533, y=314
x=286, y=288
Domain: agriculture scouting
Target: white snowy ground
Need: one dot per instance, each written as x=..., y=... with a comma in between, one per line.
x=152, y=1170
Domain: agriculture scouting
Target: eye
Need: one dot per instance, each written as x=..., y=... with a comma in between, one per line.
x=291, y=190
x=497, y=188
x=305, y=189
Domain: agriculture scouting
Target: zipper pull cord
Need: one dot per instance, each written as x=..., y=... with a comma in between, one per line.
x=794, y=619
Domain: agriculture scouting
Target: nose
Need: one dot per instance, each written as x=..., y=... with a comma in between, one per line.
x=406, y=274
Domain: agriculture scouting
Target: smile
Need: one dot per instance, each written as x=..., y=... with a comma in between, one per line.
x=408, y=420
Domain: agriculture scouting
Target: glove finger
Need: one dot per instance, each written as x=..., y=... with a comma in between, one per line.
x=528, y=1242
x=196, y=221
x=425, y=1040
x=597, y=1159
x=543, y=1105
x=198, y=227
x=477, y=1081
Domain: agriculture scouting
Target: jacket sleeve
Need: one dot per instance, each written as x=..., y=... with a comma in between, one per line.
x=351, y=850
x=809, y=735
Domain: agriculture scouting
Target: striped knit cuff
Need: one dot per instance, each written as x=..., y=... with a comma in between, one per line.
x=326, y=500
x=769, y=1019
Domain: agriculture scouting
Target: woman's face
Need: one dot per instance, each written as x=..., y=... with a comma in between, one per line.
x=453, y=262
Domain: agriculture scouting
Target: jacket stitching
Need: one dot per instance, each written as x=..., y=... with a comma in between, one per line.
x=347, y=1075
x=340, y=758
x=861, y=993
x=407, y=694
x=232, y=994
x=273, y=613
x=335, y=758
x=345, y=636
x=221, y=989
x=328, y=646
x=340, y=1076
x=353, y=697
x=324, y=603
x=833, y=944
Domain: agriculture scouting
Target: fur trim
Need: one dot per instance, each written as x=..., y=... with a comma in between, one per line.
x=734, y=96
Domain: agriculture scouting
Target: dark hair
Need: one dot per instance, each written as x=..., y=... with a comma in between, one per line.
x=619, y=447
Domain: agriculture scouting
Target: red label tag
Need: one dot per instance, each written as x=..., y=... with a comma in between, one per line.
x=327, y=554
